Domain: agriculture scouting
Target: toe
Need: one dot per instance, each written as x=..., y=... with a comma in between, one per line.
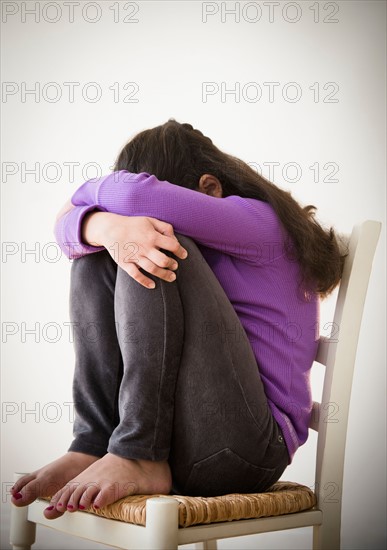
x=22, y=482
x=107, y=495
x=26, y=495
x=96, y=501
x=61, y=498
x=89, y=494
x=75, y=496
x=113, y=492
x=18, y=499
x=52, y=513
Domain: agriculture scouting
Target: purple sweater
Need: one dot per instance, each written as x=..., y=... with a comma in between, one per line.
x=243, y=241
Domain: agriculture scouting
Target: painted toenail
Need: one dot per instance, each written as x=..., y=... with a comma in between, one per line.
x=70, y=506
x=59, y=504
x=17, y=496
x=96, y=506
x=82, y=507
x=50, y=507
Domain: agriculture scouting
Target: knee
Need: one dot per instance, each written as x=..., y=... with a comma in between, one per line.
x=93, y=269
x=93, y=261
x=191, y=247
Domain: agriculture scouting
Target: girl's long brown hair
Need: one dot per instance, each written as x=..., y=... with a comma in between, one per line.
x=180, y=154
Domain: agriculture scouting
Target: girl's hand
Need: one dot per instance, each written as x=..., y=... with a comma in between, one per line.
x=134, y=242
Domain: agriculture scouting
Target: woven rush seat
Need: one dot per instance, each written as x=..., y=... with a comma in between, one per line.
x=283, y=497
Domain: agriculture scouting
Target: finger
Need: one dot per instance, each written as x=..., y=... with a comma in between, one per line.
x=162, y=227
x=161, y=260
x=172, y=245
x=130, y=251
x=153, y=269
x=133, y=271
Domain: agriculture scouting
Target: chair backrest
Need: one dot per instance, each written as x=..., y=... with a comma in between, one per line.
x=338, y=354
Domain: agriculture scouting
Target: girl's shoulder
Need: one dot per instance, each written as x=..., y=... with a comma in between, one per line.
x=260, y=211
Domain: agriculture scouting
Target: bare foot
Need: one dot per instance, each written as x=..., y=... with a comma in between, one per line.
x=109, y=479
x=50, y=479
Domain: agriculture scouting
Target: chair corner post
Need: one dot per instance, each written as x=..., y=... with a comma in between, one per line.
x=162, y=523
x=22, y=532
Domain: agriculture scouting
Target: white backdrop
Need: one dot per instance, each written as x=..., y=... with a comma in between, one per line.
x=297, y=89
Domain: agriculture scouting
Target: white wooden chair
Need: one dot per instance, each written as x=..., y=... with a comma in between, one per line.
x=160, y=522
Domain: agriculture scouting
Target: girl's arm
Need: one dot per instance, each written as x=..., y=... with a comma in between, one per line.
x=67, y=231
x=236, y=226
x=133, y=242
x=65, y=208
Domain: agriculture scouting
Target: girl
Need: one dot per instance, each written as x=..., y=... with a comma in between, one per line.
x=194, y=300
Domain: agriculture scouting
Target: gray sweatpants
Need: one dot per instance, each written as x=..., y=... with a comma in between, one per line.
x=169, y=374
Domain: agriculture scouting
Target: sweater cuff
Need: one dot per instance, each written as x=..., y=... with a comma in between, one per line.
x=68, y=230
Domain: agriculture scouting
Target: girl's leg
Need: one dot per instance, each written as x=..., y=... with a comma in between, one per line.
x=190, y=393
x=128, y=342
x=150, y=327
x=225, y=438
x=98, y=370
x=98, y=361
x=123, y=406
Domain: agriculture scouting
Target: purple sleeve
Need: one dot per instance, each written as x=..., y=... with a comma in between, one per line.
x=68, y=233
x=232, y=225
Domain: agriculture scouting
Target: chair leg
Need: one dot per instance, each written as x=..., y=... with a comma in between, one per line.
x=326, y=537
x=23, y=532
x=162, y=523
x=206, y=545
